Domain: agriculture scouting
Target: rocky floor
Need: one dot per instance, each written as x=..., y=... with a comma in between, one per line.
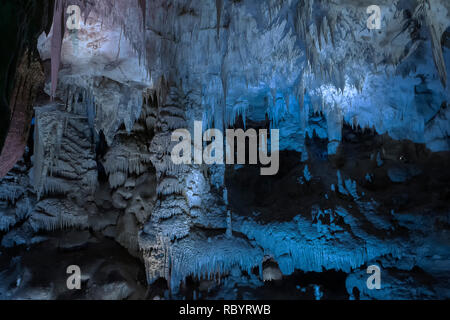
x=40, y=271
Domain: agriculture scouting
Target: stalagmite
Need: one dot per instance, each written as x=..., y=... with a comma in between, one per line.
x=229, y=227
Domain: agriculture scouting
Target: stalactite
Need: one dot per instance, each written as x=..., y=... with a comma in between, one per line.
x=128, y=162
x=207, y=261
x=436, y=47
x=219, y=7
x=118, y=46
x=54, y=186
x=10, y=192
x=57, y=38
x=6, y=222
x=169, y=186
x=293, y=251
x=54, y=214
x=143, y=6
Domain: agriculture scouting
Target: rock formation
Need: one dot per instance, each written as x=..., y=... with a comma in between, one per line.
x=364, y=143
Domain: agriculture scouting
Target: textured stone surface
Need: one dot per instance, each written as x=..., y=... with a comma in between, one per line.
x=29, y=80
x=364, y=129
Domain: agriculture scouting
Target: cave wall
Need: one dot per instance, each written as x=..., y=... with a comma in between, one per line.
x=22, y=22
x=363, y=122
